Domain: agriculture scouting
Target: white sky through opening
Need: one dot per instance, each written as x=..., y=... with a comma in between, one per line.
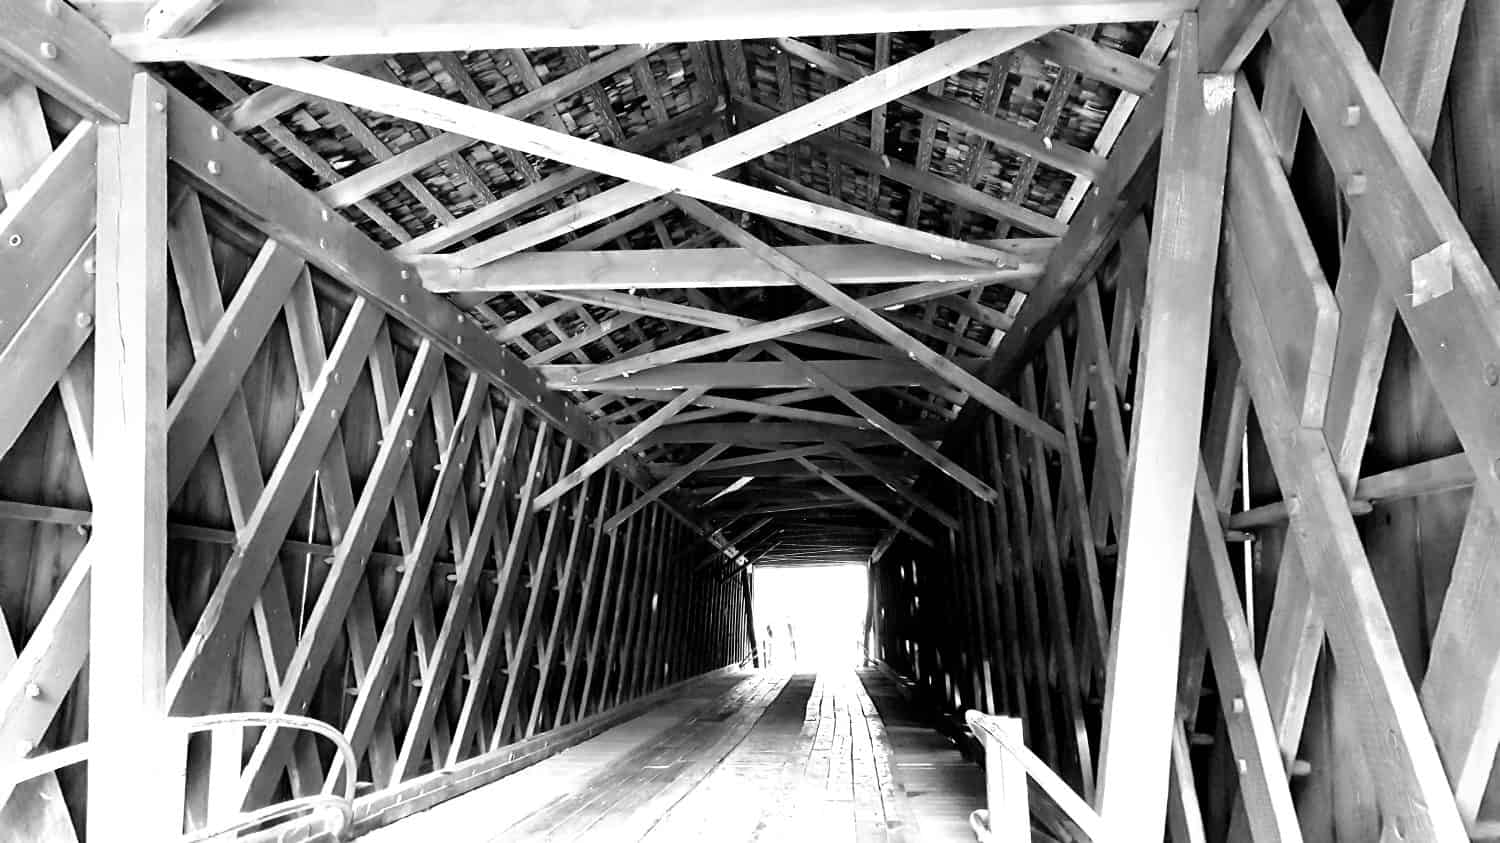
x=811, y=618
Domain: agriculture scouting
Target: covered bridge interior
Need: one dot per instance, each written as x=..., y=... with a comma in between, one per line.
x=402, y=403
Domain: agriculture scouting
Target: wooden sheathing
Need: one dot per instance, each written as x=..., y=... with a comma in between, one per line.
x=343, y=468
x=1320, y=694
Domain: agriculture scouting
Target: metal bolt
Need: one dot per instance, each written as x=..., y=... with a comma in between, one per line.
x=325, y=215
x=1352, y=115
x=1243, y=765
x=214, y=169
x=405, y=273
x=158, y=106
x=48, y=50
x=51, y=8
x=215, y=133
x=33, y=690
x=1301, y=767
x=15, y=240
x=322, y=242
x=401, y=298
x=1492, y=374
x=1357, y=184
x=89, y=267
x=84, y=320
x=1237, y=705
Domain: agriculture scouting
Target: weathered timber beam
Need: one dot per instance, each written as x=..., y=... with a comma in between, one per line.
x=1140, y=704
x=854, y=374
x=717, y=269
x=718, y=320
x=133, y=765
x=748, y=433
x=305, y=28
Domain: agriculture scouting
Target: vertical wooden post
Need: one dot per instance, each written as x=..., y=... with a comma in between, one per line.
x=135, y=771
x=1005, y=784
x=1140, y=704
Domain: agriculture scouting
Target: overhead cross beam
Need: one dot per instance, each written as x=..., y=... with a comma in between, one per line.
x=843, y=104
x=875, y=324
x=687, y=176
x=718, y=269
x=319, y=27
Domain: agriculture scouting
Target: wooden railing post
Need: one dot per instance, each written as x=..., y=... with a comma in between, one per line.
x=1005, y=785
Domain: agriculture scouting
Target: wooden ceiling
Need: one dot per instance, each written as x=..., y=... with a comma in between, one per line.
x=788, y=360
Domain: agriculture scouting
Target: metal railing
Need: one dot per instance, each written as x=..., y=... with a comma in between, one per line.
x=1008, y=764
x=226, y=741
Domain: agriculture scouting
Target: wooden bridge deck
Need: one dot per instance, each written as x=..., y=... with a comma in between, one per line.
x=747, y=756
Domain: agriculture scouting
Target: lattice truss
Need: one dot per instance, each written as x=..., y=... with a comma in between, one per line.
x=352, y=470
x=668, y=328
x=1290, y=366
x=463, y=533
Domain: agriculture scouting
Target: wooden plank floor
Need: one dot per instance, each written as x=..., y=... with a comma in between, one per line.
x=750, y=756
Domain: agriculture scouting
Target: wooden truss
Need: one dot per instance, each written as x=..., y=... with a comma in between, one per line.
x=1302, y=358
x=445, y=390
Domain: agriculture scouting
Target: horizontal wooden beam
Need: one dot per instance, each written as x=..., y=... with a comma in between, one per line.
x=750, y=433
x=717, y=269
x=267, y=28
x=853, y=374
